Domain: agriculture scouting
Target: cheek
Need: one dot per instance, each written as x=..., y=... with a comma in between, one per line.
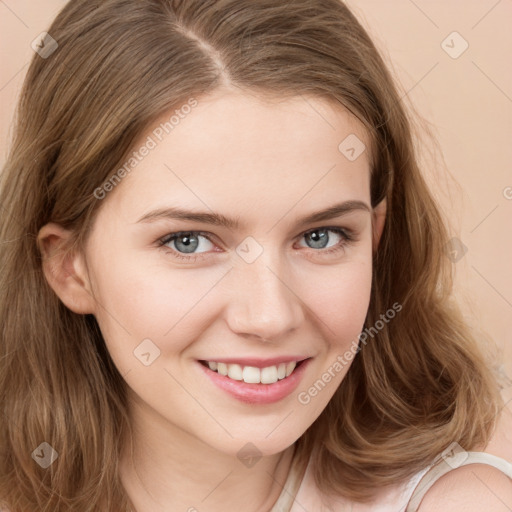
x=341, y=301
x=341, y=309
x=156, y=302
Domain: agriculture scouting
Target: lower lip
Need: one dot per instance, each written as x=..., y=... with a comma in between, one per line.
x=258, y=393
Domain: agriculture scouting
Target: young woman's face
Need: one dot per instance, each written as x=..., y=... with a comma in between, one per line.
x=249, y=280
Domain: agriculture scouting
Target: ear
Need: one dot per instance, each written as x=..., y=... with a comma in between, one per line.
x=65, y=271
x=378, y=221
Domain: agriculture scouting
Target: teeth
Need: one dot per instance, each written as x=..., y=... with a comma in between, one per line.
x=235, y=372
x=253, y=375
x=290, y=367
x=269, y=375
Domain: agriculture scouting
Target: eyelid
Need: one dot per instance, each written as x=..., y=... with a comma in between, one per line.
x=344, y=229
x=175, y=234
x=210, y=236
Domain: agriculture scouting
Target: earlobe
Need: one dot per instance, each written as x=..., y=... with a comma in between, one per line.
x=378, y=222
x=64, y=270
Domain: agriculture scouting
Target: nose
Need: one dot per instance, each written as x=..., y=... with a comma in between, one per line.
x=263, y=302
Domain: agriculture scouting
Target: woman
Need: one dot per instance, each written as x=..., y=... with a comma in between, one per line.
x=224, y=285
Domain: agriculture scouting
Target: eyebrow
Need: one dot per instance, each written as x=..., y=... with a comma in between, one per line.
x=217, y=219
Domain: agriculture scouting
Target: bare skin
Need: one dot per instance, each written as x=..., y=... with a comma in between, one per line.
x=267, y=164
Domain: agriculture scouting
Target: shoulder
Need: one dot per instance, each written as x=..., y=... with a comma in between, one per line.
x=471, y=488
x=476, y=487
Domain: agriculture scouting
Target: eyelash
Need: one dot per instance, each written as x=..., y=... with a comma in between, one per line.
x=347, y=239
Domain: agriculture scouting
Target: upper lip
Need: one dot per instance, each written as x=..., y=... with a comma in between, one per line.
x=257, y=362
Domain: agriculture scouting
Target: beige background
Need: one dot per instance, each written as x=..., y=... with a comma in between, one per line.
x=467, y=100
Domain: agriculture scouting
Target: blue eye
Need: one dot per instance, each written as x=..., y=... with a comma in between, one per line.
x=186, y=242
x=183, y=244
x=319, y=237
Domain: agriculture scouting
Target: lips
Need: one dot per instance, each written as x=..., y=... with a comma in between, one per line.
x=257, y=393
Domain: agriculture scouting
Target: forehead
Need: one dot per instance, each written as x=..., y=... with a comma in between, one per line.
x=244, y=152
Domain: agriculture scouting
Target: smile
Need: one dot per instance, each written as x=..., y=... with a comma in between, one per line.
x=252, y=374
x=254, y=385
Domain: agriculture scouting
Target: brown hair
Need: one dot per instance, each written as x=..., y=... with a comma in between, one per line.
x=418, y=386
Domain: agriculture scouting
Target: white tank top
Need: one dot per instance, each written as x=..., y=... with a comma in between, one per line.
x=299, y=494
